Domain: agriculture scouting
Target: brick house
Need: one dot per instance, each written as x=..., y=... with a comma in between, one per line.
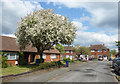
x=69, y=52
x=8, y=45
x=99, y=51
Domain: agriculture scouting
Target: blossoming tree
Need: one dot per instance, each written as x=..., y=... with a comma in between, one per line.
x=43, y=29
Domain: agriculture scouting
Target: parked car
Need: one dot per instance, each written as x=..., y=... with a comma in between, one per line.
x=114, y=61
x=117, y=66
x=100, y=58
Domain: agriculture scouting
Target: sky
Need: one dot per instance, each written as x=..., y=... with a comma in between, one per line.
x=96, y=20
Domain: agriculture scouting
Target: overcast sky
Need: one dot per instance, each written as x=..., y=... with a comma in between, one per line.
x=96, y=21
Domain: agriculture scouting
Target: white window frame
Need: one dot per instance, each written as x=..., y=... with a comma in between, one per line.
x=99, y=50
x=67, y=56
x=92, y=50
x=9, y=56
x=44, y=56
x=67, y=51
x=53, y=56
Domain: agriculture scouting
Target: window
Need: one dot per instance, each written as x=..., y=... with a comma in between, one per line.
x=67, y=56
x=67, y=51
x=12, y=56
x=71, y=51
x=99, y=50
x=92, y=50
x=44, y=56
x=53, y=56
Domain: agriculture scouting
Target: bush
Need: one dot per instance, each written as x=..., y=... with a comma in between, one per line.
x=48, y=65
x=72, y=61
x=22, y=61
x=94, y=58
x=10, y=64
x=4, y=60
x=64, y=59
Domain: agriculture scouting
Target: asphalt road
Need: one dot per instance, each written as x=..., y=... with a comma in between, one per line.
x=92, y=71
x=97, y=71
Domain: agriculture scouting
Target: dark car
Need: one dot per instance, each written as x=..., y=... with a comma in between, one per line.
x=114, y=61
x=117, y=66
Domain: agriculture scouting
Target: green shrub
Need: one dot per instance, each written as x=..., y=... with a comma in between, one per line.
x=64, y=59
x=48, y=65
x=10, y=64
x=94, y=58
x=22, y=61
x=4, y=60
x=72, y=61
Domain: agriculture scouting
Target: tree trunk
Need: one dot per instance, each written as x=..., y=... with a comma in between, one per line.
x=41, y=58
x=40, y=52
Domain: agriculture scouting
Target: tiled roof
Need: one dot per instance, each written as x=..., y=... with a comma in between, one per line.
x=9, y=44
x=68, y=47
x=100, y=46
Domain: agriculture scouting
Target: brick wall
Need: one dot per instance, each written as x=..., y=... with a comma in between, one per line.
x=11, y=62
x=48, y=57
x=96, y=53
x=73, y=54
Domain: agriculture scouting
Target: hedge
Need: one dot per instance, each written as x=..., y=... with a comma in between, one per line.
x=71, y=61
x=3, y=60
x=48, y=65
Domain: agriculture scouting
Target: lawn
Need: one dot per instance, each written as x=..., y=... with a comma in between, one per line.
x=15, y=70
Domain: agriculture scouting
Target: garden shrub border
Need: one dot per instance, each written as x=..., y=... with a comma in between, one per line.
x=48, y=65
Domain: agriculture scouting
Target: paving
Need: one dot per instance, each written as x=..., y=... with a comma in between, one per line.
x=92, y=71
x=97, y=71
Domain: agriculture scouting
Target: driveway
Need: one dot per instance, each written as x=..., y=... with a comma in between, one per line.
x=92, y=71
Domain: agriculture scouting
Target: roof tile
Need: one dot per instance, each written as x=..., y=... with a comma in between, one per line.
x=9, y=44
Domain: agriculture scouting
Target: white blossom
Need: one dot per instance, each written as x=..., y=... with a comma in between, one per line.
x=43, y=28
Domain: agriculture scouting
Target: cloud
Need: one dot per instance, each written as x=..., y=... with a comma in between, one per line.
x=9, y=35
x=84, y=38
x=12, y=11
x=87, y=38
x=103, y=14
x=79, y=25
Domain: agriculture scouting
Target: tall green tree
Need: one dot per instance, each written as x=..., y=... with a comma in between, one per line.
x=118, y=43
x=113, y=52
x=43, y=29
x=81, y=50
